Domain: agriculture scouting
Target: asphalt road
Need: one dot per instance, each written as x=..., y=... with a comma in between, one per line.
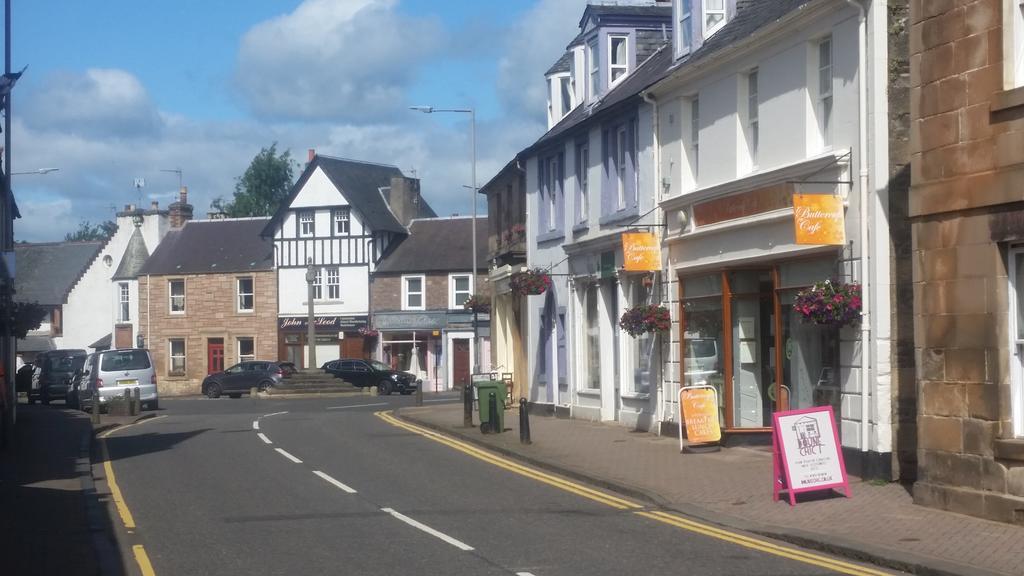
x=324, y=486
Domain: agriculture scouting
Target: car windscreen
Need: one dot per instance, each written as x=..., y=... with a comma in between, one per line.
x=124, y=360
x=66, y=363
x=379, y=365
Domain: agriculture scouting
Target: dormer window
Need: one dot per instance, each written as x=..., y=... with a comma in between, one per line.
x=714, y=16
x=618, y=58
x=594, y=65
x=685, y=27
x=565, y=86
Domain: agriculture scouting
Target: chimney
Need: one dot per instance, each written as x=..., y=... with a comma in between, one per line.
x=154, y=205
x=180, y=211
x=312, y=154
x=404, y=198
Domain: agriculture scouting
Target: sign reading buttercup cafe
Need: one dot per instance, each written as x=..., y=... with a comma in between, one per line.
x=640, y=252
x=819, y=219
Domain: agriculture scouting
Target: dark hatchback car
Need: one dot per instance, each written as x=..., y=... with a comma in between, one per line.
x=365, y=373
x=242, y=377
x=57, y=368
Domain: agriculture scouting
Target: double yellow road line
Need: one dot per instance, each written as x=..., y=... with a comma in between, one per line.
x=619, y=503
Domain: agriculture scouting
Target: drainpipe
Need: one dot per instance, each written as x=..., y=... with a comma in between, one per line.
x=865, y=321
x=658, y=194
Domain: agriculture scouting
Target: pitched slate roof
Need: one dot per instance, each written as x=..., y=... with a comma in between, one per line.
x=213, y=247
x=602, y=10
x=135, y=255
x=750, y=17
x=437, y=245
x=562, y=65
x=360, y=183
x=47, y=272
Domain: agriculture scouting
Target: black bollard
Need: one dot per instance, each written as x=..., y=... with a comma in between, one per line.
x=492, y=412
x=130, y=405
x=419, y=393
x=524, y=423
x=467, y=404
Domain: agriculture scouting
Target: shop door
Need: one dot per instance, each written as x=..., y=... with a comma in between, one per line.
x=753, y=348
x=460, y=361
x=215, y=355
x=352, y=347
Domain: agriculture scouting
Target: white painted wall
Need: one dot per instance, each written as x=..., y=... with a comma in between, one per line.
x=292, y=291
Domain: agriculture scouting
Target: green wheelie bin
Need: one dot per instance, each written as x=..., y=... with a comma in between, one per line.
x=484, y=391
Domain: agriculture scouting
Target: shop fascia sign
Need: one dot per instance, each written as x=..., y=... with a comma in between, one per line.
x=322, y=323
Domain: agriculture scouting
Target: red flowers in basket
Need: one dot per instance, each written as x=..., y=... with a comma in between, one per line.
x=645, y=318
x=829, y=303
x=531, y=282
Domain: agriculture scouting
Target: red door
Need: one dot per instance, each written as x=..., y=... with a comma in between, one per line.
x=215, y=355
x=460, y=361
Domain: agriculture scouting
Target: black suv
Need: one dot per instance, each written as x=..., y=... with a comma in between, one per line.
x=57, y=367
x=364, y=373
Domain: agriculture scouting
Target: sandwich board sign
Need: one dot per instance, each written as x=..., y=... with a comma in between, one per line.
x=699, y=407
x=806, y=454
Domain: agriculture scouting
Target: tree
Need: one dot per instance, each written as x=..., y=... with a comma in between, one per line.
x=262, y=188
x=87, y=231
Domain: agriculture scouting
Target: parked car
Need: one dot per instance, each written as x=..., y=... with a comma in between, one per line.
x=24, y=377
x=242, y=377
x=287, y=369
x=106, y=375
x=56, y=369
x=365, y=373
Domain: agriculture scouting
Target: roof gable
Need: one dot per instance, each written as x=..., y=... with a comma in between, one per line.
x=135, y=255
x=437, y=245
x=47, y=272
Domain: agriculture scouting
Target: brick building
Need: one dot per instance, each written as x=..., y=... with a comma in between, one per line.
x=967, y=139
x=207, y=300
x=417, y=294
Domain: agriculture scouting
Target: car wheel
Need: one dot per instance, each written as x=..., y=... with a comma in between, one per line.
x=384, y=388
x=266, y=385
x=213, y=390
x=153, y=405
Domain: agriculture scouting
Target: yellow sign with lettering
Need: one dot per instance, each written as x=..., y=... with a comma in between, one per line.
x=819, y=219
x=641, y=252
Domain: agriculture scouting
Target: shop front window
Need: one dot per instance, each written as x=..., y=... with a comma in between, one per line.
x=809, y=359
x=592, y=340
x=703, y=338
x=643, y=345
x=753, y=348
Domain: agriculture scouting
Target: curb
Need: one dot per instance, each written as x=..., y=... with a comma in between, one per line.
x=97, y=430
x=839, y=546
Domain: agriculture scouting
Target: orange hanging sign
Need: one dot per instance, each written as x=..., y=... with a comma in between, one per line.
x=641, y=252
x=700, y=413
x=819, y=219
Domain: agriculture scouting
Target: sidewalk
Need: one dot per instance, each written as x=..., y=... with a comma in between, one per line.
x=879, y=524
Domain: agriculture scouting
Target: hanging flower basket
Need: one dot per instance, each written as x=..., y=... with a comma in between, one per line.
x=640, y=320
x=367, y=332
x=478, y=303
x=531, y=282
x=829, y=303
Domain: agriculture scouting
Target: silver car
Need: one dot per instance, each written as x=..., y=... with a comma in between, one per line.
x=110, y=373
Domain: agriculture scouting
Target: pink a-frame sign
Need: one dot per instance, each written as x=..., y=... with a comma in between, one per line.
x=806, y=454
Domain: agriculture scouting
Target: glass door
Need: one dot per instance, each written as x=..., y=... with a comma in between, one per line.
x=752, y=323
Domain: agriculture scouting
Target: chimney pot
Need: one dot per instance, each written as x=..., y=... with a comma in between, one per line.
x=184, y=195
x=154, y=205
x=312, y=154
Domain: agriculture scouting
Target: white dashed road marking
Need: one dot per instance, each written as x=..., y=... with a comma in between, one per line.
x=288, y=456
x=334, y=482
x=255, y=424
x=457, y=543
x=264, y=438
x=274, y=414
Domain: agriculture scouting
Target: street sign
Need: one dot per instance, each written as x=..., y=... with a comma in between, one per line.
x=640, y=252
x=699, y=407
x=806, y=453
x=818, y=219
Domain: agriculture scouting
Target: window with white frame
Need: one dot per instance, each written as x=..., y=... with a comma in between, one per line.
x=461, y=289
x=594, y=64
x=618, y=58
x=176, y=354
x=714, y=16
x=1013, y=44
x=176, y=291
x=1016, y=320
x=621, y=142
x=413, y=297
x=582, y=182
x=752, y=116
x=306, y=223
x=246, y=294
x=685, y=32
x=318, y=284
x=823, y=107
x=124, y=303
x=333, y=284
x=565, y=88
x=341, y=222
x=246, y=349
x=552, y=191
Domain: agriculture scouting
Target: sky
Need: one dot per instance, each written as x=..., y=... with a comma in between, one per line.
x=118, y=90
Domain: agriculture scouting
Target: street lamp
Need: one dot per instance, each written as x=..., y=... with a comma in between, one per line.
x=37, y=171
x=310, y=317
x=472, y=135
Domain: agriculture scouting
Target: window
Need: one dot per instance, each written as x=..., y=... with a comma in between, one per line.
x=714, y=16
x=824, y=104
x=621, y=142
x=176, y=352
x=694, y=138
x=1016, y=278
x=684, y=37
x=306, y=227
x=752, y=120
x=341, y=223
x=318, y=285
x=551, y=192
x=582, y=182
x=592, y=340
x=412, y=293
x=618, y=58
x=246, y=297
x=246, y=350
x=124, y=303
x=176, y=289
x=1013, y=30
x=595, y=68
x=566, y=90
x=461, y=289
x=333, y=284
x=643, y=345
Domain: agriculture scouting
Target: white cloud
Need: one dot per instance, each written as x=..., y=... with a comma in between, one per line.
x=334, y=59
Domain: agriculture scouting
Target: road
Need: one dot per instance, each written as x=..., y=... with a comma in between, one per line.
x=335, y=486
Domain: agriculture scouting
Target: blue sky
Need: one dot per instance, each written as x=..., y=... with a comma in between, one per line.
x=118, y=89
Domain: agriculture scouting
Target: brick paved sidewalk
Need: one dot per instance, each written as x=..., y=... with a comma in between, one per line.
x=880, y=523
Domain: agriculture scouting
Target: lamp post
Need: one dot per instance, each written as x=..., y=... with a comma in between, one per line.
x=310, y=318
x=36, y=171
x=473, y=266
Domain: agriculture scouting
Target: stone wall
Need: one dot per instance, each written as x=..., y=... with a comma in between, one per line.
x=967, y=140
x=386, y=291
x=210, y=312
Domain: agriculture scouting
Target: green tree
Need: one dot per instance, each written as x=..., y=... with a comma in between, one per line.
x=263, y=187
x=87, y=231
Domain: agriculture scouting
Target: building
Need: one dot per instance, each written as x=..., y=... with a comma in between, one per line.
x=766, y=101
x=417, y=296
x=967, y=103
x=208, y=299
x=339, y=219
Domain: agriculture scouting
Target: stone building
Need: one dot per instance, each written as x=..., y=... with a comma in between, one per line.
x=967, y=139
x=207, y=300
